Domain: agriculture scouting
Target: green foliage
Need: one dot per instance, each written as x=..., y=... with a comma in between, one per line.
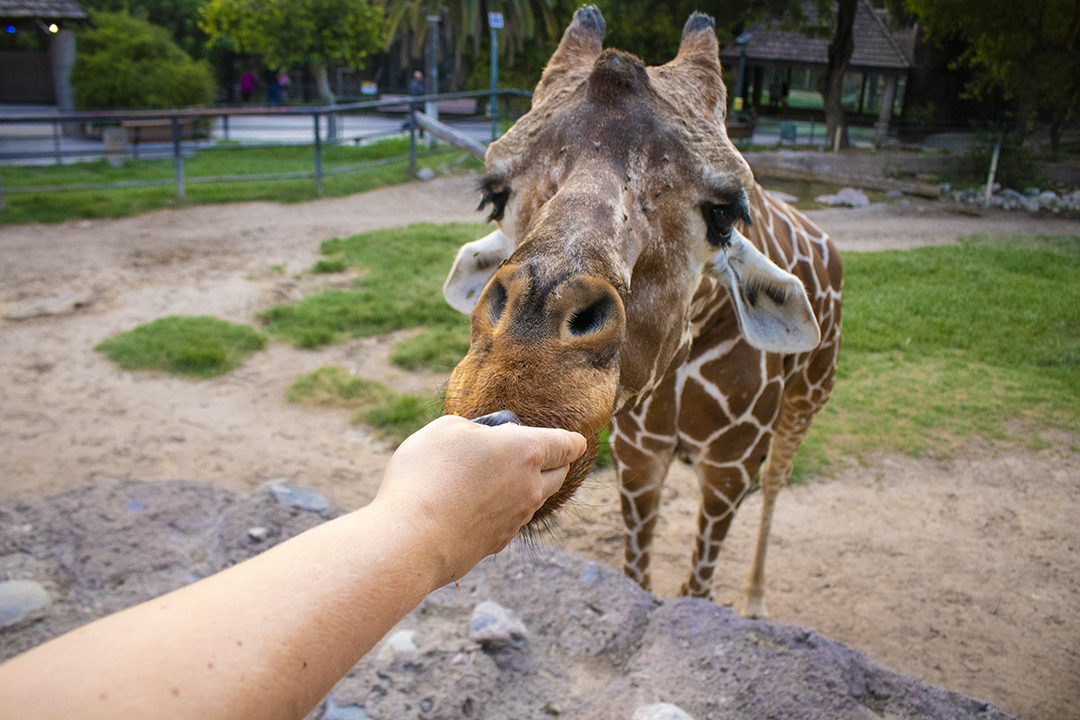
x=292, y=32
x=125, y=62
x=1017, y=167
x=179, y=17
x=198, y=347
x=401, y=288
x=1022, y=49
x=942, y=343
x=395, y=415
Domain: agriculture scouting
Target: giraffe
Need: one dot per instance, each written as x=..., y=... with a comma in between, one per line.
x=640, y=279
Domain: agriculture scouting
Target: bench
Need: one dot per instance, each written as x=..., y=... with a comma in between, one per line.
x=156, y=130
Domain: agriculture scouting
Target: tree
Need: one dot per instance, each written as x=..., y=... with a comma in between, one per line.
x=126, y=62
x=1025, y=50
x=832, y=82
x=290, y=32
x=179, y=17
x=524, y=21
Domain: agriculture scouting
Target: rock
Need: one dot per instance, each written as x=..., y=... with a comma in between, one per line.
x=258, y=534
x=303, y=499
x=849, y=197
x=660, y=711
x=343, y=712
x=1047, y=199
x=900, y=193
x=19, y=597
x=853, y=197
x=496, y=629
x=425, y=174
x=590, y=574
x=399, y=642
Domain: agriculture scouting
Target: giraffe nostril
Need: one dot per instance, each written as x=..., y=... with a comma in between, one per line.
x=496, y=302
x=591, y=318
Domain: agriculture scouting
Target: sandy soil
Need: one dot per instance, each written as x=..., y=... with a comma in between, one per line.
x=963, y=572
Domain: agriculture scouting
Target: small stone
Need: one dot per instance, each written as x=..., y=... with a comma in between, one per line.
x=660, y=711
x=459, y=659
x=303, y=499
x=401, y=641
x=425, y=174
x=590, y=574
x=900, y=193
x=495, y=628
x=426, y=704
x=258, y=534
x=19, y=597
x=343, y=712
x=136, y=505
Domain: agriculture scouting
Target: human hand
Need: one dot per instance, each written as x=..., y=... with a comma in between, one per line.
x=471, y=488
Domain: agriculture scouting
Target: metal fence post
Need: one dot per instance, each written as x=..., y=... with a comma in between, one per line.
x=56, y=141
x=412, y=141
x=1, y=194
x=178, y=158
x=318, y=157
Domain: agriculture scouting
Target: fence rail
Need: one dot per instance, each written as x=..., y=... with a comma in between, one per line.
x=325, y=129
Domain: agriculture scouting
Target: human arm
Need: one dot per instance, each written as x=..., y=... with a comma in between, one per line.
x=269, y=637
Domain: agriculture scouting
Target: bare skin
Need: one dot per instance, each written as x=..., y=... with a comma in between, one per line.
x=268, y=638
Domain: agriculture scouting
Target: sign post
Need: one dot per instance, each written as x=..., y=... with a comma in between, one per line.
x=495, y=23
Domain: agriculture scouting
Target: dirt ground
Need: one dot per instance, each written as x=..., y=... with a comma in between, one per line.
x=963, y=572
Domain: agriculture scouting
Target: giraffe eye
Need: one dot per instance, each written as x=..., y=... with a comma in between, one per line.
x=720, y=219
x=496, y=198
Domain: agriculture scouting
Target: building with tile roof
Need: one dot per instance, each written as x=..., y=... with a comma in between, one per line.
x=31, y=75
x=781, y=69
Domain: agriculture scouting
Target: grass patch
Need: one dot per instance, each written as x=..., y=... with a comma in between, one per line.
x=198, y=347
x=394, y=415
x=401, y=287
x=52, y=207
x=942, y=343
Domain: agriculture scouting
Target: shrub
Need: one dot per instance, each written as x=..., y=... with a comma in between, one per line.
x=127, y=62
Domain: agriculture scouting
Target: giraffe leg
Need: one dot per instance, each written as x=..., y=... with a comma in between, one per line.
x=639, y=492
x=641, y=472
x=775, y=472
x=722, y=489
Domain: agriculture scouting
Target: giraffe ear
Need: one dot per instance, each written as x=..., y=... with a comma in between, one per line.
x=581, y=43
x=474, y=265
x=774, y=311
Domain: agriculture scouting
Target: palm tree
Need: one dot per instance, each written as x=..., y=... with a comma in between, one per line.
x=464, y=19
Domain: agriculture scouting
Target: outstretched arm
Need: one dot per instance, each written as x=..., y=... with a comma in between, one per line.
x=268, y=638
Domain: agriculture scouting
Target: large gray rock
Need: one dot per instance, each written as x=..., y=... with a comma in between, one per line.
x=599, y=647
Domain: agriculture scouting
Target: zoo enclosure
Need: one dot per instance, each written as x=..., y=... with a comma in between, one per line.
x=179, y=132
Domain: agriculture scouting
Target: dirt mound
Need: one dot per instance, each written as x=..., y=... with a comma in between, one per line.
x=592, y=644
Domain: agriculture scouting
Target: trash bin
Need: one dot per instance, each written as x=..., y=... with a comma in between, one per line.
x=789, y=131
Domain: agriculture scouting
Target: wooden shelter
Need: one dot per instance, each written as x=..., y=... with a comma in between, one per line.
x=781, y=69
x=39, y=76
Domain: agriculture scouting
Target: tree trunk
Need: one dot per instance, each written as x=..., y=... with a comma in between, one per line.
x=832, y=83
x=322, y=83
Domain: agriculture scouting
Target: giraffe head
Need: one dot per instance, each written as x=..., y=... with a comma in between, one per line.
x=614, y=196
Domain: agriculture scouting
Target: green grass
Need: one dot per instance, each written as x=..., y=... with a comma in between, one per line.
x=940, y=343
x=944, y=343
x=52, y=207
x=394, y=415
x=401, y=287
x=197, y=347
